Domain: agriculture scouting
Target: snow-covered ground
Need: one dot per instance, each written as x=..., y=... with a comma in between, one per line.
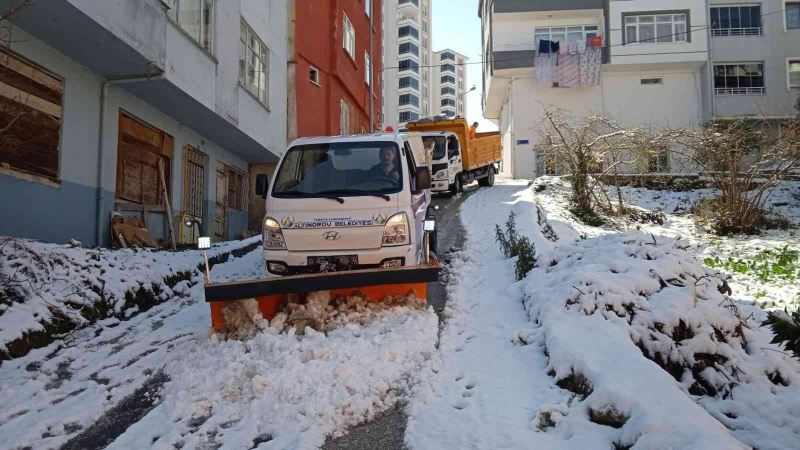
x=276, y=390
x=620, y=337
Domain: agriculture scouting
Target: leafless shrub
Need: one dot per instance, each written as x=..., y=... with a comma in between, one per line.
x=593, y=145
x=745, y=160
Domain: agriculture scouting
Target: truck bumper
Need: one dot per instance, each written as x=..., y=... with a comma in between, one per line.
x=297, y=262
x=440, y=186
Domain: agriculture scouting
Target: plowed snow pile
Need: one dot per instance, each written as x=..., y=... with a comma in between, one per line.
x=288, y=390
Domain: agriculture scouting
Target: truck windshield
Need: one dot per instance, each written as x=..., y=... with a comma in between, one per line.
x=342, y=168
x=439, y=144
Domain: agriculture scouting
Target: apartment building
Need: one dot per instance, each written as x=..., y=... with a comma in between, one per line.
x=674, y=66
x=450, y=83
x=127, y=106
x=408, y=78
x=337, y=64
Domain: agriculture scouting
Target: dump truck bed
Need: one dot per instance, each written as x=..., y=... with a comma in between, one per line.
x=477, y=152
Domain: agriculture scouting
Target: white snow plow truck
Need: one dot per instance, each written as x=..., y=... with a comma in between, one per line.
x=346, y=214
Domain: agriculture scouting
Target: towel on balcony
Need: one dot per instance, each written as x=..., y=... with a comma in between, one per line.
x=595, y=41
x=590, y=62
x=543, y=68
x=544, y=46
x=573, y=47
x=569, y=70
x=581, y=46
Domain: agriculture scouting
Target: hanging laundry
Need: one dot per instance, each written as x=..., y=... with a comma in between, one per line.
x=573, y=47
x=563, y=49
x=595, y=41
x=569, y=70
x=590, y=63
x=544, y=46
x=581, y=46
x=555, y=46
x=543, y=68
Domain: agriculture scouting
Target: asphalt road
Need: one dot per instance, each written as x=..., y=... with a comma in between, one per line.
x=387, y=431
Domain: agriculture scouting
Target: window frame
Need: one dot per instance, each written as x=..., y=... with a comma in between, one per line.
x=244, y=26
x=413, y=99
x=413, y=66
x=411, y=46
x=173, y=14
x=726, y=32
x=442, y=81
x=789, y=61
x=312, y=69
x=368, y=8
x=739, y=90
x=344, y=118
x=367, y=68
x=786, y=4
x=538, y=32
x=348, y=36
x=411, y=116
x=410, y=85
x=654, y=15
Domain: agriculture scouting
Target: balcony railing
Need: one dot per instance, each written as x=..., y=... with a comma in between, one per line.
x=753, y=31
x=740, y=91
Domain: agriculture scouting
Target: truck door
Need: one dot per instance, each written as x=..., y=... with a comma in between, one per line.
x=453, y=157
x=419, y=200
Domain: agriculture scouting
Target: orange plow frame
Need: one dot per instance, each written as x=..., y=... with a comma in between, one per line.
x=271, y=293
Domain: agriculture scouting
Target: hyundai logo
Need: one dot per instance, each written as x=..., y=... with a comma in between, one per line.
x=330, y=235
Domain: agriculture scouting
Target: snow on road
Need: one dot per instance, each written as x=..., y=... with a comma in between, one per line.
x=583, y=320
x=275, y=390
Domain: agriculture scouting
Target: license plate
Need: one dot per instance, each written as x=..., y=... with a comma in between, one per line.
x=333, y=263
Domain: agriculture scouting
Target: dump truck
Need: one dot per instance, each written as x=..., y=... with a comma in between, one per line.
x=346, y=214
x=458, y=158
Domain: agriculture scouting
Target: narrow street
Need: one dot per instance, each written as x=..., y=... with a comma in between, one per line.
x=388, y=431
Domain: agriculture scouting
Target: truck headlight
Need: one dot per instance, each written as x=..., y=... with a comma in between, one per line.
x=396, y=230
x=273, y=236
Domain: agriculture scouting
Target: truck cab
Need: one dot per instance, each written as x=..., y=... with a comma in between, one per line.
x=447, y=161
x=347, y=203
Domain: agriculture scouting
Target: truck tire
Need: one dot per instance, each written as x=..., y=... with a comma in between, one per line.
x=457, y=186
x=488, y=180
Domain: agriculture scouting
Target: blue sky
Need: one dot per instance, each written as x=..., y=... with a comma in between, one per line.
x=456, y=26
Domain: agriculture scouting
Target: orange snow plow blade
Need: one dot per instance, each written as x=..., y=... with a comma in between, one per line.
x=271, y=293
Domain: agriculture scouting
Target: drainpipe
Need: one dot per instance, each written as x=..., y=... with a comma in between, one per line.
x=710, y=71
x=100, y=136
x=371, y=71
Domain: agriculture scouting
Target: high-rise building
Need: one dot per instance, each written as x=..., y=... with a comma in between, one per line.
x=337, y=65
x=450, y=84
x=408, y=78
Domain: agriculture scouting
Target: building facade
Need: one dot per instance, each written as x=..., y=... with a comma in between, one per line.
x=408, y=78
x=337, y=65
x=676, y=66
x=450, y=83
x=149, y=108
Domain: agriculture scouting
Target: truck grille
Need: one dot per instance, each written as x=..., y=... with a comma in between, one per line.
x=437, y=167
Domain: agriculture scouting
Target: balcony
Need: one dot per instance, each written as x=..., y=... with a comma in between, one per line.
x=725, y=32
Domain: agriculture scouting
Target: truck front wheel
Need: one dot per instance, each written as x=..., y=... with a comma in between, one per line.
x=488, y=180
x=456, y=187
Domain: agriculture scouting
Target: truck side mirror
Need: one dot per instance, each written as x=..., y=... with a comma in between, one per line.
x=423, y=176
x=262, y=185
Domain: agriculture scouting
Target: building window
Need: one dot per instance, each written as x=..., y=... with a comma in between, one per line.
x=414, y=2
x=648, y=29
x=448, y=56
x=313, y=75
x=407, y=116
x=448, y=91
x=344, y=117
x=408, y=82
x=449, y=113
x=367, y=69
x=565, y=34
x=658, y=161
x=409, y=99
x=448, y=68
x=31, y=102
x=739, y=79
x=194, y=175
x=349, y=36
x=736, y=21
x=368, y=7
x=794, y=73
x=792, y=15
x=196, y=18
x=448, y=79
x=448, y=102
x=408, y=30
x=409, y=64
x=254, y=64
x=144, y=155
x=236, y=189
x=651, y=81
x=408, y=47
x=461, y=106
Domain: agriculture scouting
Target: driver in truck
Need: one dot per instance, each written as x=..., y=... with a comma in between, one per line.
x=387, y=167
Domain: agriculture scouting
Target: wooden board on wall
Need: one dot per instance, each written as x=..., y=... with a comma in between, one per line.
x=140, y=148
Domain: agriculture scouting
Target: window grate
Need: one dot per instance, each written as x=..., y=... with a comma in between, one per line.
x=740, y=91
